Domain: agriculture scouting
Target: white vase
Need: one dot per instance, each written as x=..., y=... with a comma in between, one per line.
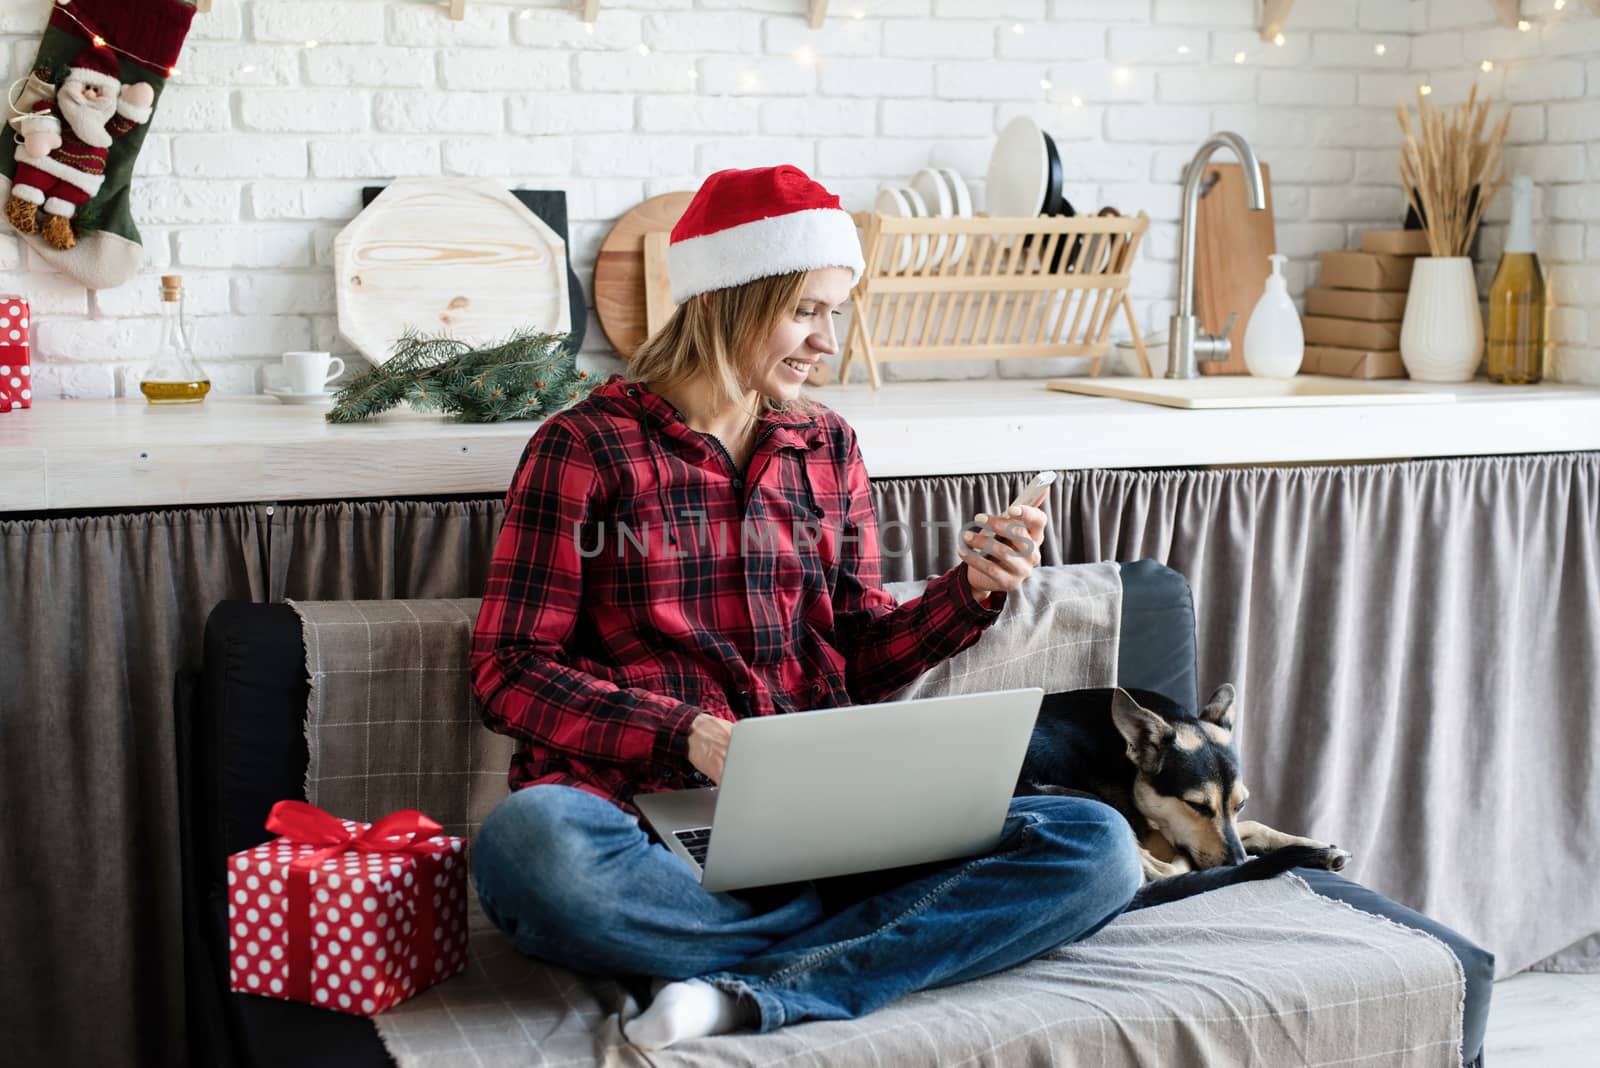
x=1441, y=338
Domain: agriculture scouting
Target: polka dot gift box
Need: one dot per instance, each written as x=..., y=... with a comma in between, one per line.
x=16, y=382
x=348, y=916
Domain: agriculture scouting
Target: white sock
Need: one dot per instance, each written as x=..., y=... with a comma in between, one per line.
x=680, y=1011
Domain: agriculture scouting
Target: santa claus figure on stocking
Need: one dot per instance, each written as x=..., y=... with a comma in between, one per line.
x=60, y=169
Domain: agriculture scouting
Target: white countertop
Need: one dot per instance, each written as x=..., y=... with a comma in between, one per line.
x=90, y=454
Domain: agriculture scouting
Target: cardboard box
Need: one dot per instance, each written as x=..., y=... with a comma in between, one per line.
x=1373, y=306
x=1396, y=242
x=1365, y=270
x=1351, y=333
x=1352, y=363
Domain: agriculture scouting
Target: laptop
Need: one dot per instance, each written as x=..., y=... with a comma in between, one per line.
x=809, y=795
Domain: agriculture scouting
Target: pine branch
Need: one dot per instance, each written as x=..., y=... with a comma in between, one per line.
x=525, y=376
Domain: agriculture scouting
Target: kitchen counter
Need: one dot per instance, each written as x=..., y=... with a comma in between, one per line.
x=91, y=454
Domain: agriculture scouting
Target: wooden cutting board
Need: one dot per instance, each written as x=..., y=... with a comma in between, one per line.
x=551, y=206
x=1232, y=244
x=455, y=255
x=619, y=283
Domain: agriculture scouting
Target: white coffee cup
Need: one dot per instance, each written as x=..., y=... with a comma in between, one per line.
x=310, y=372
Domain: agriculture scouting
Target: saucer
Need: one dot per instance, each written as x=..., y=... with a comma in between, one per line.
x=286, y=397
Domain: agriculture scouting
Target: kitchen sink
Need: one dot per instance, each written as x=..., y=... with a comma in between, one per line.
x=1245, y=391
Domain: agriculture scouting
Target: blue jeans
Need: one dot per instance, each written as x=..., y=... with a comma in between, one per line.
x=570, y=878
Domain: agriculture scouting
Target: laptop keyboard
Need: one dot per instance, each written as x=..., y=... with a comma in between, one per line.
x=696, y=840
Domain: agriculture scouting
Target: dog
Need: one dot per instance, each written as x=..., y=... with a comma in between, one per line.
x=1174, y=776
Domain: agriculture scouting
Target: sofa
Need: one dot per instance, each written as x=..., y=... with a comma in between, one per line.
x=1317, y=968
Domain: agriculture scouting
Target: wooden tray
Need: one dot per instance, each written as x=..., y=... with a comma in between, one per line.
x=456, y=255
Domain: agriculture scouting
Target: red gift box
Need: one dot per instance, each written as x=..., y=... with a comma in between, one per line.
x=344, y=915
x=15, y=372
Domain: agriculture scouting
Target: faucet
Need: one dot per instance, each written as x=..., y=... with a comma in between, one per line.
x=1186, y=345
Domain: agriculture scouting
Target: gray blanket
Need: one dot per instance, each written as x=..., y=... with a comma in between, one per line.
x=1269, y=974
x=1266, y=974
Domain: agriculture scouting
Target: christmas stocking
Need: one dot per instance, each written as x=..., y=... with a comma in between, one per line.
x=81, y=119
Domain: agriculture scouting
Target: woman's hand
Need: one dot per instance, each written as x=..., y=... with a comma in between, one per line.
x=708, y=744
x=1003, y=552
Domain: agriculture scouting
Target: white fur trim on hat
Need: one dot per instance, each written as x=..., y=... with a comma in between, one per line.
x=783, y=244
x=106, y=83
x=136, y=115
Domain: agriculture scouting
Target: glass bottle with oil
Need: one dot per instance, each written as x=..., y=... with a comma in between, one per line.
x=1517, y=298
x=174, y=376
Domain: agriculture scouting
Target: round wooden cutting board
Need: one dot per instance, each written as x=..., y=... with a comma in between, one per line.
x=619, y=297
x=448, y=255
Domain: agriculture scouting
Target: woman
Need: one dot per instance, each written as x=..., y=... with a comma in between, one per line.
x=695, y=543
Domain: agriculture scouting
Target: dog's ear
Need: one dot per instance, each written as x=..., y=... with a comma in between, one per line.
x=1146, y=733
x=1219, y=709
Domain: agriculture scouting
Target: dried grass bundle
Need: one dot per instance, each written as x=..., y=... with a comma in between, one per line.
x=1450, y=169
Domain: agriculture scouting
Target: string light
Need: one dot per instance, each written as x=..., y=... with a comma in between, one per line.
x=644, y=49
x=1238, y=57
x=1046, y=83
x=1278, y=40
x=1077, y=101
x=1183, y=50
x=311, y=44
x=101, y=42
x=1016, y=28
x=805, y=55
x=1524, y=25
x=1425, y=90
x=1380, y=49
x=1561, y=5
x=1486, y=66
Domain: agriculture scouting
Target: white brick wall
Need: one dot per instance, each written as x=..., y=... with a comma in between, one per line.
x=262, y=145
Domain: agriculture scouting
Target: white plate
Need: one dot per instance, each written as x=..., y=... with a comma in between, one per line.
x=962, y=196
x=1019, y=171
x=935, y=193
x=919, y=210
x=286, y=397
x=892, y=202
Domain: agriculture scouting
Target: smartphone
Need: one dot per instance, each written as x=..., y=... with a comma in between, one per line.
x=1030, y=494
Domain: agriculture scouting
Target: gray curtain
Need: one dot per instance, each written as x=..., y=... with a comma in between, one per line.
x=382, y=550
x=1417, y=651
x=1414, y=645
x=96, y=616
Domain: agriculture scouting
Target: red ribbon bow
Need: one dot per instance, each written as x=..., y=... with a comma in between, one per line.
x=405, y=831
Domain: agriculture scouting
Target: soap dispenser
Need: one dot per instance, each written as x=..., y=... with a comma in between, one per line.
x=1274, y=343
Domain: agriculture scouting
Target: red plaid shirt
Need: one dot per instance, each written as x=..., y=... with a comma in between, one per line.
x=620, y=606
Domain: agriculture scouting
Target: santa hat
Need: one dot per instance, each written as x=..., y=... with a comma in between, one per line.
x=744, y=225
x=96, y=65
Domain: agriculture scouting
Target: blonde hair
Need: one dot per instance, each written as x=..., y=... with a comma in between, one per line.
x=719, y=335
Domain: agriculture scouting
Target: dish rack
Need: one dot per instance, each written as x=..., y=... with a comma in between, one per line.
x=992, y=288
